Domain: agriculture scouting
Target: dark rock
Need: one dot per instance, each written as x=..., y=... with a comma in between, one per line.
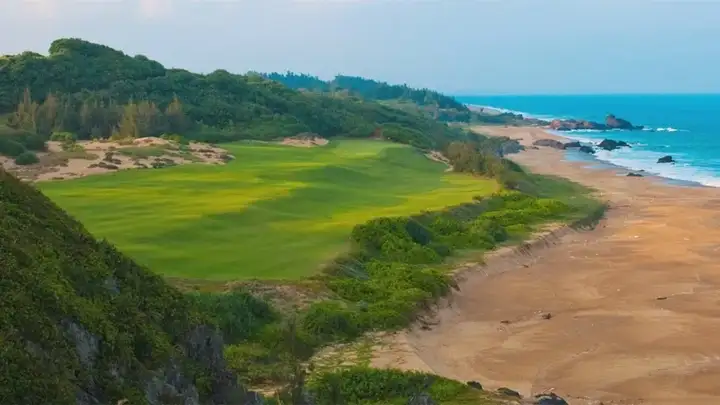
x=574, y=144
x=475, y=384
x=634, y=175
x=550, y=143
x=609, y=144
x=614, y=122
x=548, y=399
x=661, y=298
x=547, y=316
x=587, y=149
x=508, y=392
x=505, y=322
x=422, y=399
x=666, y=159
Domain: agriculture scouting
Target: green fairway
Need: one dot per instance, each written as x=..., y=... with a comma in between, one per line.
x=276, y=212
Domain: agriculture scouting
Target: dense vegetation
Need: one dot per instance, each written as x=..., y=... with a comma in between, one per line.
x=91, y=90
x=79, y=319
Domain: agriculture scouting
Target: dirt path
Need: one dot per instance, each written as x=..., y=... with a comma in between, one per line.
x=634, y=304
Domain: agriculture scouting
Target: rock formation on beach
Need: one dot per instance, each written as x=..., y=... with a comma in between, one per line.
x=610, y=144
x=550, y=143
x=611, y=122
x=666, y=159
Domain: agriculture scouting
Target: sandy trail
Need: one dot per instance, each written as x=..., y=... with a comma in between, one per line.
x=635, y=303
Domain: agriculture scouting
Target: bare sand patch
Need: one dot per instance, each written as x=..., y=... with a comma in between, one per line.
x=98, y=157
x=633, y=303
x=305, y=141
x=439, y=157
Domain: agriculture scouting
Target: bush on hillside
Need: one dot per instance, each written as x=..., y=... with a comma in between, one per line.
x=26, y=158
x=11, y=148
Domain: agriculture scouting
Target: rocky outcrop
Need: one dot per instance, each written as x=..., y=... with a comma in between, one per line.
x=550, y=143
x=609, y=144
x=666, y=159
x=570, y=125
x=587, y=149
x=508, y=392
x=611, y=122
x=548, y=399
x=422, y=399
x=573, y=144
x=634, y=175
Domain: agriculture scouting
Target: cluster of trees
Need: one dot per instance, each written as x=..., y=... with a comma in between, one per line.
x=87, y=88
x=95, y=117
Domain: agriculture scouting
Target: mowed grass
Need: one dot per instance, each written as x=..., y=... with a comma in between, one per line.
x=275, y=212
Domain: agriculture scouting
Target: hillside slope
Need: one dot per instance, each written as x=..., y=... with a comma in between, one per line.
x=92, y=82
x=83, y=324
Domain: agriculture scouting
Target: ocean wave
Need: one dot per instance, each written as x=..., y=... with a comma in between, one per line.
x=647, y=161
x=667, y=129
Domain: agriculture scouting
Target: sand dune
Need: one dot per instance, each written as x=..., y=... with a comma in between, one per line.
x=635, y=304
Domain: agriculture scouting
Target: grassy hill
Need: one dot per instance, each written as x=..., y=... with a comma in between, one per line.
x=275, y=212
x=83, y=324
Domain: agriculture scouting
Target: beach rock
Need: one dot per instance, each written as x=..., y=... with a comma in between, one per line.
x=574, y=144
x=508, y=392
x=548, y=399
x=610, y=144
x=666, y=159
x=634, y=175
x=550, y=143
x=546, y=316
x=613, y=122
x=475, y=384
x=587, y=149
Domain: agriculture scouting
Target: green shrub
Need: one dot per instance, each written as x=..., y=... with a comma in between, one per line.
x=26, y=158
x=238, y=314
x=11, y=148
x=366, y=385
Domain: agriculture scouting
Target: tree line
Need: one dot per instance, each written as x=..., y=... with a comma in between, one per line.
x=87, y=88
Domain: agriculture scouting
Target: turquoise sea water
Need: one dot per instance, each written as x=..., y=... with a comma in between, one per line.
x=684, y=126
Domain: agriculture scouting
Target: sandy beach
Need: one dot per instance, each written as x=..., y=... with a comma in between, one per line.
x=634, y=304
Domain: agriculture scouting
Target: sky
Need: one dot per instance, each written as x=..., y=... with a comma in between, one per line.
x=461, y=47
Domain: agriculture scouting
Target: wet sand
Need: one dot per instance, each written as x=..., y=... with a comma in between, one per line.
x=635, y=303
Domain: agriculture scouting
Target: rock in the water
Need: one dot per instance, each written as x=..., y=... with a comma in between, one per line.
x=666, y=159
x=550, y=143
x=610, y=144
x=475, y=384
x=548, y=399
x=614, y=122
x=587, y=149
x=634, y=175
x=574, y=144
x=422, y=399
x=508, y=392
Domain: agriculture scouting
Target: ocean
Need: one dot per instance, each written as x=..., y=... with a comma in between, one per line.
x=687, y=127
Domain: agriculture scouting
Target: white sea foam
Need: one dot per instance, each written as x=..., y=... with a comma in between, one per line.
x=634, y=159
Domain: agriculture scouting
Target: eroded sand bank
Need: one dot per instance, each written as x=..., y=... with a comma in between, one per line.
x=635, y=304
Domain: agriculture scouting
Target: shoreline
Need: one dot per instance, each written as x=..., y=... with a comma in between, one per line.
x=632, y=302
